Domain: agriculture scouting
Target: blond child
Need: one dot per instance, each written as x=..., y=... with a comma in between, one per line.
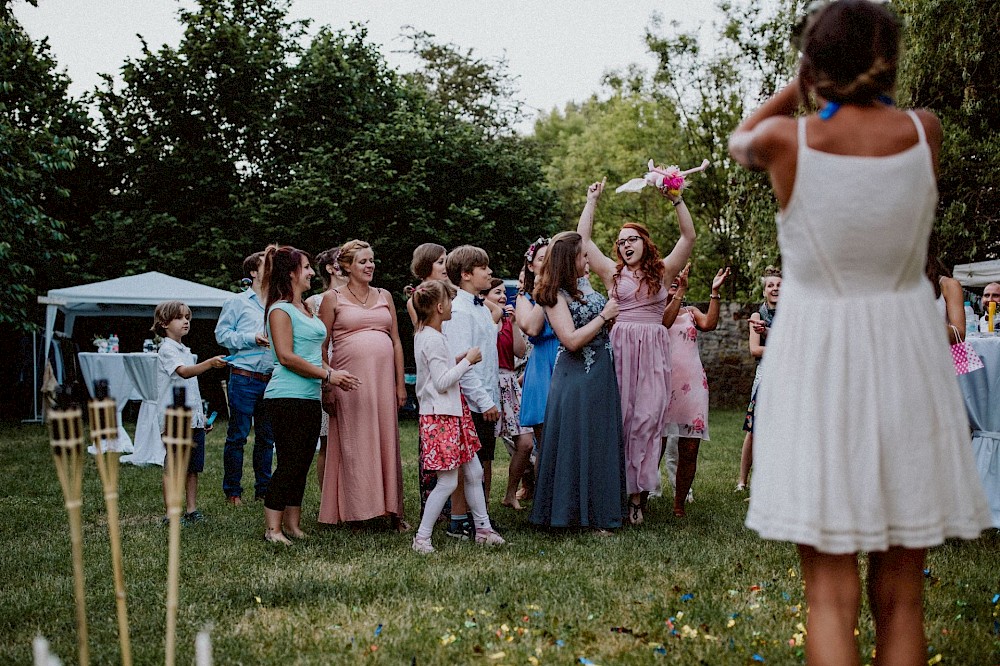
x=176, y=368
x=447, y=432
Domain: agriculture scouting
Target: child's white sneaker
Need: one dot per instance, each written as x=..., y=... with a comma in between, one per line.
x=422, y=546
x=488, y=537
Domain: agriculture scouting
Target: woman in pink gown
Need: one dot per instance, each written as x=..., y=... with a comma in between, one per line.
x=364, y=473
x=641, y=345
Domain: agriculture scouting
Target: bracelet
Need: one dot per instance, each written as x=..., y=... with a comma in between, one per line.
x=715, y=296
x=677, y=203
x=329, y=373
x=601, y=315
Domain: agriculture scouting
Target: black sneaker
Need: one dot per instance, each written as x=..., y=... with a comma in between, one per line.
x=461, y=529
x=192, y=518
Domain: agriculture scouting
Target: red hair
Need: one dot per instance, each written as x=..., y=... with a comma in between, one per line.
x=651, y=264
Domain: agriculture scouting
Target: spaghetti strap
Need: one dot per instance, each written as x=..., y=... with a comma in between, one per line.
x=922, y=138
x=802, y=133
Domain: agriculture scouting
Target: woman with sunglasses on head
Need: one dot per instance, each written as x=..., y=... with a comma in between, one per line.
x=638, y=280
x=861, y=436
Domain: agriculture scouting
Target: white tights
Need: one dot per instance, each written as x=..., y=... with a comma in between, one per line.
x=447, y=481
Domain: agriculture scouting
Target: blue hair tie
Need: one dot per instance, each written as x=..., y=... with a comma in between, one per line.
x=828, y=110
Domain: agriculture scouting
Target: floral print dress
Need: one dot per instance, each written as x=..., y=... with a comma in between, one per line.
x=689, y=386
x=581, y=471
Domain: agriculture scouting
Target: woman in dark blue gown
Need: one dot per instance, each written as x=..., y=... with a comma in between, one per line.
x=581, y=475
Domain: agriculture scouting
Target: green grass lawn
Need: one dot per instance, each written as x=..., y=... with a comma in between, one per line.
x=699, y=590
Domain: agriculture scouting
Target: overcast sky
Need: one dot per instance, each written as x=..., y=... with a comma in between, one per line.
x=558, y=49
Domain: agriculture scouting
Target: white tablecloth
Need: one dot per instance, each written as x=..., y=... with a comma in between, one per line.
x=149, y=449
x=120, y=387
x=981, y=390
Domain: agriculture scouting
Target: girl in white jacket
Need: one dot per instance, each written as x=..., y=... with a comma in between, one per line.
x=446, y=428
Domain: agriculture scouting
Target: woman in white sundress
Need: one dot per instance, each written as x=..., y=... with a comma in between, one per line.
x=861, y=438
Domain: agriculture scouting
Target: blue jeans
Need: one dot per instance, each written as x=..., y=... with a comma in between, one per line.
x=246, y=408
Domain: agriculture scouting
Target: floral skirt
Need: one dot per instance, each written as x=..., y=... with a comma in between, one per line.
x=447, y=442
x=509, y=424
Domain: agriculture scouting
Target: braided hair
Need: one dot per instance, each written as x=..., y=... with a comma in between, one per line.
x=850, y=52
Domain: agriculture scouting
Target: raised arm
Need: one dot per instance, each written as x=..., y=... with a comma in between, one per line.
x=759, y=139
x=674, y=262
x=674, y=306
x=767, y=141
x=710, y=321
x=599, y=263
x=756, y=348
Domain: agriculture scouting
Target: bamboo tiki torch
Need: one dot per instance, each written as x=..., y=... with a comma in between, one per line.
x=103, y=431
x=177, y=441
x=66, y=437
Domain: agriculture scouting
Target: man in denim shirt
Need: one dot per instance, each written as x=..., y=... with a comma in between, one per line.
x=241, y=331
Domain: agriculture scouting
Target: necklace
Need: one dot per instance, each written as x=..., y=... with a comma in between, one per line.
x=367, y=296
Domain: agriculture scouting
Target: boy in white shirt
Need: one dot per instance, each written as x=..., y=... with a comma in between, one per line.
x=471, y=325
x=175, y=368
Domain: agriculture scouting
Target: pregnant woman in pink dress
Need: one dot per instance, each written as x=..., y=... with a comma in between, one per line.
x=364, y=473
x=641, y=345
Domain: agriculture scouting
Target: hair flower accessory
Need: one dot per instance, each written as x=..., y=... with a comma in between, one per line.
x=534, y=247
x=669, y=180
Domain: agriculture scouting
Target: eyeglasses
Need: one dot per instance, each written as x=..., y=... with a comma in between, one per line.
x=622, y=242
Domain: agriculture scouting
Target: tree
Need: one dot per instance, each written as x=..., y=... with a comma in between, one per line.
x=186, y=140
x=42, y=131
x=476, y=90
x=386, y=161
x=681, y=113
x=615, y=138
x=950, y=67
x=712, y=92
x=244, y=134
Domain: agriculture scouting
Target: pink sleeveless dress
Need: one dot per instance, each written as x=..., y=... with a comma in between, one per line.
x=364, y=473
x=688, y=384
x=641, y=347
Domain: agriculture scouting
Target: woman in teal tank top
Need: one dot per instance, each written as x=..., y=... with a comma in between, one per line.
x=292, y=397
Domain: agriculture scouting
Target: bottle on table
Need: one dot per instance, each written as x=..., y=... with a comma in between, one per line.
x=971, y=321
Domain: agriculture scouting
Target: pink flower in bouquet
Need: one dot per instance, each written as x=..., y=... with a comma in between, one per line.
x=672, y=182
x=669, y=180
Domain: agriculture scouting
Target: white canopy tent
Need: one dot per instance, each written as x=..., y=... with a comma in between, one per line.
x=130, y=296
x=978, y=274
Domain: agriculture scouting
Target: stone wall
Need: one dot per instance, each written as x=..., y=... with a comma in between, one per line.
x=725, y=353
